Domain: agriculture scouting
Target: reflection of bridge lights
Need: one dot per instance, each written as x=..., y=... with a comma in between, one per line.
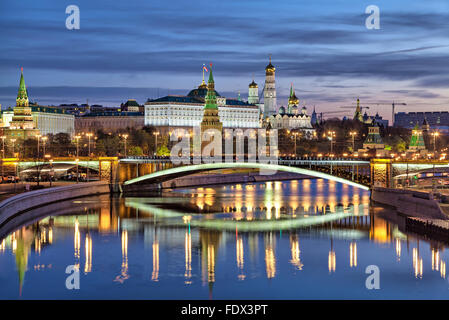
x=353, y=254
x=435, y=259
x=211, y=263
x=3, y=245
x=331, y=261
x=240, y=256
x=295, y=252
x=50, y=235
x=37, y=245
x=155, y=273
x=417, y=264
x=77, y=240
x=398, y=249
x=88, y=247
x=443, y=269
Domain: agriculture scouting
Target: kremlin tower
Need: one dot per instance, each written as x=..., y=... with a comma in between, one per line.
x=211, y=119
x=22, y=124
x=269, y=97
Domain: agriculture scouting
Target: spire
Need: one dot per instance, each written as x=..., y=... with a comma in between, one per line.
x=211, y=98
x=22, y=94
x=211, y=77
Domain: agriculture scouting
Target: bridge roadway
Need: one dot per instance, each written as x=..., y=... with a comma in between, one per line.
x=156, y=178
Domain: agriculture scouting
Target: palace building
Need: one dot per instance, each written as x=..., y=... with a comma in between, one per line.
x=187, y=111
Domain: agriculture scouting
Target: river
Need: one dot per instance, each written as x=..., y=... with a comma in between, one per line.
x=300, y=239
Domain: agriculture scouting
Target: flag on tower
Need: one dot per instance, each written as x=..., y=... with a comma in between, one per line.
x=204, y=67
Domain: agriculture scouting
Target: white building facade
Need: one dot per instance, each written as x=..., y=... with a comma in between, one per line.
x=185, y=111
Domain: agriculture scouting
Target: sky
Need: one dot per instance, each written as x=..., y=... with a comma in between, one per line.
x=149, y=48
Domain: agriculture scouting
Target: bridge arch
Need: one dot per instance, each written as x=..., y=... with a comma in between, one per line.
x=168, y=174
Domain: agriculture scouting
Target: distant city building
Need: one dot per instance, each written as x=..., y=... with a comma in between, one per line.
x=131, y=106
x=436, y=120
x=109, y=122
x=365, y=118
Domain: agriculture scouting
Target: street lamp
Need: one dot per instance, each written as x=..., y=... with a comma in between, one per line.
x=77, y=139
x=331, y=137
x=296, y=134
x=44, y=139
x=435, y=135
x=125, y=136
x=77, y=161
x=3, y=158
x=353, y=134
x=155, y=147
x=88, y=159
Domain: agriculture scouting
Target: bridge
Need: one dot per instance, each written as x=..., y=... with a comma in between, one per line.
x=338, y=170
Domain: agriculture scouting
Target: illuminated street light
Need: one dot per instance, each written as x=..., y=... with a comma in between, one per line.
x=435, y=135
x=353, y=134
x=155, y=145
x=125, y=136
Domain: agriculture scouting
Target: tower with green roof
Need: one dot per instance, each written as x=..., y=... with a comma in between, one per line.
x=373, y=139
x=22, y=125
x=211, y=119
x=417, y=140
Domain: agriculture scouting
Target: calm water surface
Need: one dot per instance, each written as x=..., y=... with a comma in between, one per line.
x=305, y=239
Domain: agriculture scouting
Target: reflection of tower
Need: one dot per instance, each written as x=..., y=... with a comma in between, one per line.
x=253, y=93
x=188, y=255
x=269, y=99
x=23, y=240
x=270, y=258
x=210, y=241
x=239, y=256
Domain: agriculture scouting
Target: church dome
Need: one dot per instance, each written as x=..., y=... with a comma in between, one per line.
x=200, y=92
x=294, y=109
x=270, y=68
x=281, y=110
x=253, y=85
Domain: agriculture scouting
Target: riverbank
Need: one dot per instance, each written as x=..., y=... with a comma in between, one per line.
x=410, y=202
x=13, y=206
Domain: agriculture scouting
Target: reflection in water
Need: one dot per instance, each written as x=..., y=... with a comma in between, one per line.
x=188, y=257
x=240, y=256
x=77, y=240
x=352, y=254
x=294, y=247
x=398, y=249
x=124, y=270
x=169, y=224
x=417, y=263
x=155, y=273
x=270, y=258
x=88, y=248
